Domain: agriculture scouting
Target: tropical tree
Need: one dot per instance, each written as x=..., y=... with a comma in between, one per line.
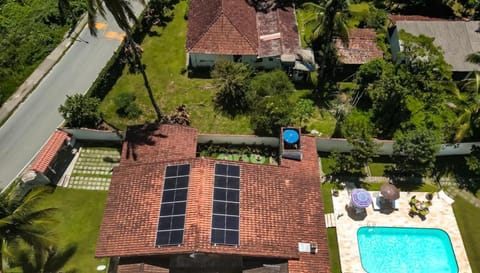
x=124, y=15
x=81, y=111
x=414, y=151
x=469, y=108
x=22, y=224
x=326, y=21
x=234, y=94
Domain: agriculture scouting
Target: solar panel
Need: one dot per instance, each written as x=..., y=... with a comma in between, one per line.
x=226, y=205
x=171, y=224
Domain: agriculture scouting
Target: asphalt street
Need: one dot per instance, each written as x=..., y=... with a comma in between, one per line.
x=30, y=126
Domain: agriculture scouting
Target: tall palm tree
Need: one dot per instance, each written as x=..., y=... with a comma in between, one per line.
x=326, y=20
x=123, y=14
x=23, y=224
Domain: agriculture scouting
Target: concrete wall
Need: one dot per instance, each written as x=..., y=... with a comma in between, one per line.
x=239, y=139
x=386, y=147
x=94, y=135
x=208, y=60
x=395, y=46
x=323, y=144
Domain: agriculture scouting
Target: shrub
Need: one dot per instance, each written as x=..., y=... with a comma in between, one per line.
x=126, y=106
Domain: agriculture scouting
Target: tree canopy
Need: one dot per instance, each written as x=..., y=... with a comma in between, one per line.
x=81, y=111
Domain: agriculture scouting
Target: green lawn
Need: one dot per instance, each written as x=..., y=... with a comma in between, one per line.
x=377, y=168
x=327, y=165
x=469, y=224
x=331, y=232
x=165, y=60
x=80, y=213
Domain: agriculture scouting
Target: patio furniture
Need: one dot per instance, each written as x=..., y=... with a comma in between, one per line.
x=381, y=203
x=389, y=191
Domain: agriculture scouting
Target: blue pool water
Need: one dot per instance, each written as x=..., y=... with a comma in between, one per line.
x=406, y=250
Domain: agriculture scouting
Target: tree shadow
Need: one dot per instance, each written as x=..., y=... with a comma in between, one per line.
x=51, y=260
x=141, y=135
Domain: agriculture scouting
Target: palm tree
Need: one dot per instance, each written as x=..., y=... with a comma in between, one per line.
x=51, y=260
x=123, y=14
x=22, y=224
x=469, y=117
x=474, y=58
x=326, y=21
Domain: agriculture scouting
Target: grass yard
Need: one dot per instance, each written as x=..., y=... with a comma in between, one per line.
x=377, y=168
x=331, y=232
x=165, y=60
x=327, y=165
x=469, y=224
x=80, y=213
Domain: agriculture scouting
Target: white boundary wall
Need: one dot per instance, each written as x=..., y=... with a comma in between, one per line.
x=323, y=144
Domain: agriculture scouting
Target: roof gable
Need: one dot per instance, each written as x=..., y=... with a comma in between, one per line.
x=49, y=151
x=222, y=27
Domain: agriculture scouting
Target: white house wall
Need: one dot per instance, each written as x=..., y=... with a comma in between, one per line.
x=208, y=60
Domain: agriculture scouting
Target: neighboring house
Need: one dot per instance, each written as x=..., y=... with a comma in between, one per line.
x=361, y=48
x=170, y=211
x=54, y=156
x=456, y=38
x=233, y=30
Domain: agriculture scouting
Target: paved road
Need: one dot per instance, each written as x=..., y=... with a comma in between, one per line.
x=30, y=126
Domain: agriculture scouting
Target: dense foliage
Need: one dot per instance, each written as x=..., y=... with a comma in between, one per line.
x=29, y=30
x=409, y=95
x=234, y=94
x=24, y=226
x=126, y=106
x=81, y=111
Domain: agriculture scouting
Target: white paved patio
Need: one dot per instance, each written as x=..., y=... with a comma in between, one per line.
x=440, y=216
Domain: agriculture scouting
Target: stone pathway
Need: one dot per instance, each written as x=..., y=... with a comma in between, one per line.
x=93, y=168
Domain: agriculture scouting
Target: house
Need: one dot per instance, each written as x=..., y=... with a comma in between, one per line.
x=170, y=211
x=361, y=48
x=233, y=30
x=456, y=38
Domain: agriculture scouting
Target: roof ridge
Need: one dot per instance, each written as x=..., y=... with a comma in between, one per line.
x=243, y=35
x=208, y=28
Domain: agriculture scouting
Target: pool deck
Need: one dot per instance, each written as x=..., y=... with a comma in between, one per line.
x=347, y=223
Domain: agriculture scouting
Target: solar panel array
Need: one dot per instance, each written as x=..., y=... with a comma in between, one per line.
x=171, y=224
x=226, y=205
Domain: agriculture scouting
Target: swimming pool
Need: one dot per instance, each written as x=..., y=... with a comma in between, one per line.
x=406, y=250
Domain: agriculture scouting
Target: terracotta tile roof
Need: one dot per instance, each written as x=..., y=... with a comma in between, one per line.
x=362, y=47
x=396, y=18
x=278, y=21
x=221, y=27
x=232, y=27
x=152, y=143
x=280, y=206
x=49, y=151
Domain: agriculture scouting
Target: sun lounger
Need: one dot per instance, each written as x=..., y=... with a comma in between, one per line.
x=442, y=195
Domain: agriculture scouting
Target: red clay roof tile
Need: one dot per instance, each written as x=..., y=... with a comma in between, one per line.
x=49, y=151
x=280, y=206
x=232, y=27
x=362, y=47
